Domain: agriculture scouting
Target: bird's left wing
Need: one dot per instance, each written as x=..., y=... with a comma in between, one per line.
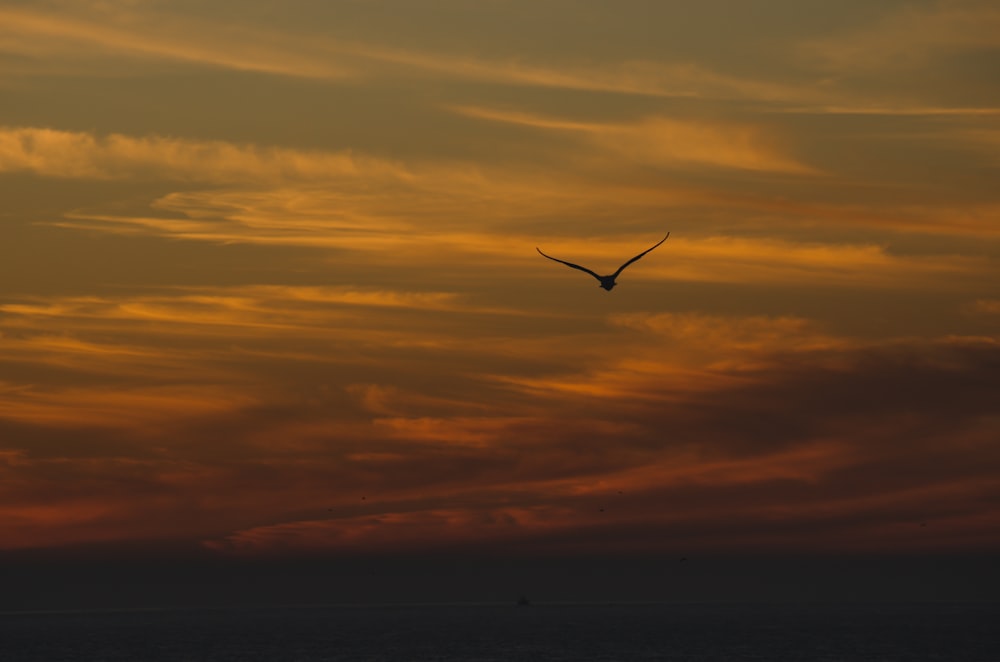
x=568, y=264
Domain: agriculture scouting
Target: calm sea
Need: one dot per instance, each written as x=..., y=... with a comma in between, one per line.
x=674, y=632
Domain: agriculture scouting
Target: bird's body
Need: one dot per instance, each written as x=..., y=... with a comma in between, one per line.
x=607, y=282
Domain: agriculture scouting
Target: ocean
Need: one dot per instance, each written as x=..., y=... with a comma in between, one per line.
x=947, y=632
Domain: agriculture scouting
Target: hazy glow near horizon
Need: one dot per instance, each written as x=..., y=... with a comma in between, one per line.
x=268, y=279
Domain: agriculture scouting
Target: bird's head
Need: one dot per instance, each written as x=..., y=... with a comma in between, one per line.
x=608, y=282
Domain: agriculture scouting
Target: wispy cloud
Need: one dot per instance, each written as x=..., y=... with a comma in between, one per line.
x=985, y=306
x=877, y=107
x=910, y=36
x=72, y=154
x=634, y=77
x=664, y=141
x=130, y=408
x=72, y=35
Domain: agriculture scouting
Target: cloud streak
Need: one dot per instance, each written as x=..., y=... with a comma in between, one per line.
x=911, y=36
x=46, y=35
x=70, y=154
x=664, y=141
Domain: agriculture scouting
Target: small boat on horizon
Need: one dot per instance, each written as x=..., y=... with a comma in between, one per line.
x=523, y=602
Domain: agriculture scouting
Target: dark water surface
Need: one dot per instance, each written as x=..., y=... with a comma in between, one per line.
x=674, y=632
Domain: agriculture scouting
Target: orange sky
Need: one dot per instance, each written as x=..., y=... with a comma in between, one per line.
x=268, y=279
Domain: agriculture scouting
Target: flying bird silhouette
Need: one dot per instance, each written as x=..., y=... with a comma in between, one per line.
x=607, y=282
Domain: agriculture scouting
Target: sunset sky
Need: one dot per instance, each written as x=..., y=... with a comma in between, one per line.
x=268, y=280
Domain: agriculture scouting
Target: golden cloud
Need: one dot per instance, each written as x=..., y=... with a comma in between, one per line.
x=664, y=141
x=54, y=153
x=49, y=35
x=132, y=408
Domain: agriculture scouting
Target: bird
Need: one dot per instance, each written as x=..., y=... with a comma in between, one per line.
x=607, y=282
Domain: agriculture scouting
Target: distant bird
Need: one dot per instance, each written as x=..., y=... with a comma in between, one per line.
x=607, y=282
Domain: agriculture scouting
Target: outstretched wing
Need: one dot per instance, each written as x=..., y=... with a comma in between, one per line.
x=622, y=268
x=568, y=264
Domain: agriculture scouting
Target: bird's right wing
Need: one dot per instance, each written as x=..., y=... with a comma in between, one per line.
x=622, y=268
x=568, y=264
